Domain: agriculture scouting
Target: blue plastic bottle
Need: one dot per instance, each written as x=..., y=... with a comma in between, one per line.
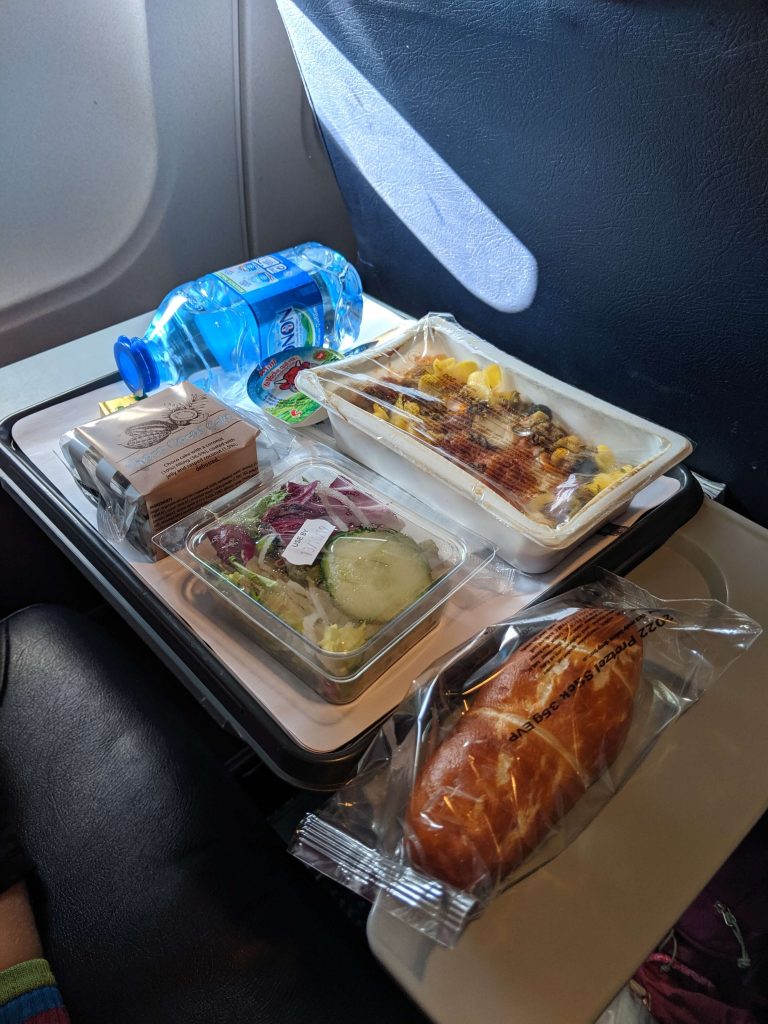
x=215, y=330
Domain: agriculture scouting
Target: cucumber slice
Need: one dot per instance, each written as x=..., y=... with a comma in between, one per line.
x=373, y=575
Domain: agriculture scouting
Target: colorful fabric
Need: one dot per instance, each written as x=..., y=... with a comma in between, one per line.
x=28, y=995
x=59, y=1016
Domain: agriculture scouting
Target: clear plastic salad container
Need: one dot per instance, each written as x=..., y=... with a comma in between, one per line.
x=337, y=576
x=519, y=457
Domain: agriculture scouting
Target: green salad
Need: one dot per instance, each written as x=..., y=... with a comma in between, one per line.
x=328, y=559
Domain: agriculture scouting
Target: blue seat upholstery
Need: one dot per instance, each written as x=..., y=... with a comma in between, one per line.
x=623, y=144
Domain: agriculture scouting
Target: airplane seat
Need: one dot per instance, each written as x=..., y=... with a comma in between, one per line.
x=582, y=183
x=162, y=895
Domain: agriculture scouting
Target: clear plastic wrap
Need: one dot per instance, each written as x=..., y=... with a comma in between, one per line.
x=120, y=512
x=532, y=453
x=151, y=463
x=509, y=747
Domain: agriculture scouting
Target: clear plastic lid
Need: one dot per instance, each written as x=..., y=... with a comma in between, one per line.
x=528, y=442
x=333, y=564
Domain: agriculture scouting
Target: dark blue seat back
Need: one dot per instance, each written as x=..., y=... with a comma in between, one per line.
x=622, y=142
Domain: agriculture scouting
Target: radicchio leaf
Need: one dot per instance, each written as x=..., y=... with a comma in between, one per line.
x=375, y=512
x=231, y=541
x=287, y=518
x=301, y=493
x=342, y=503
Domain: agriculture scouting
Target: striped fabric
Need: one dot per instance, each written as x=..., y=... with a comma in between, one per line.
x=28, y=995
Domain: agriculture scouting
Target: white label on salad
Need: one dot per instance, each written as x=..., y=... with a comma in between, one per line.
x=308, y=541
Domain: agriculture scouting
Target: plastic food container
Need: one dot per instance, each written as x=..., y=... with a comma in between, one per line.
x=337, y=577
x=530, y=463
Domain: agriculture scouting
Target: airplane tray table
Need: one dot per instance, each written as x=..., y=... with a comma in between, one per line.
x=556, y=947
x=308, y=742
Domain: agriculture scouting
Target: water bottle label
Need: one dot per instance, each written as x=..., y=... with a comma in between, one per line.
x=293, y=328
x=272, y=385
x=286, y=302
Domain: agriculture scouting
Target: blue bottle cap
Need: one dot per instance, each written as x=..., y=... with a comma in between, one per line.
x=136, y=366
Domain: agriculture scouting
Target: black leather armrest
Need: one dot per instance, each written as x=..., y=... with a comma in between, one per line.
x=162, y=894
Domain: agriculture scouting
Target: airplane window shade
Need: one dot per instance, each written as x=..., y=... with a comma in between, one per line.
x=119, y=160
x=84, y=149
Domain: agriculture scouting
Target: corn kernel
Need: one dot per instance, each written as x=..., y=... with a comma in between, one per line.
x=443, y=365
x=604, y=457
x=492, y=375
x=538, y=417
x=489, y=377
x=558, y=455
x=603, y=480
x=572, y=443
x=429, y=383
x=462, y=371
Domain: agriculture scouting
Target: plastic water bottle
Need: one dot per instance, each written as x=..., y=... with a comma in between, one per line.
x=215, y=330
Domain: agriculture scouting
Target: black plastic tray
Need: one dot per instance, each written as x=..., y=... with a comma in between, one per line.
x=199, y=667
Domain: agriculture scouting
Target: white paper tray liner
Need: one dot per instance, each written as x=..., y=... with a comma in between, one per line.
x=310, y=721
